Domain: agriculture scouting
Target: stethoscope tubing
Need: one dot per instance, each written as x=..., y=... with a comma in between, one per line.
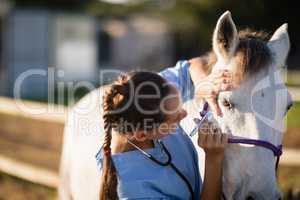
x=166, y=163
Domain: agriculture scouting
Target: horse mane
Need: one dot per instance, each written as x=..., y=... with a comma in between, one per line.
x=252, y=53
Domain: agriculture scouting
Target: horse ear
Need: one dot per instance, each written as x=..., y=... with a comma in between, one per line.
x=279, y=45
x=225, y=37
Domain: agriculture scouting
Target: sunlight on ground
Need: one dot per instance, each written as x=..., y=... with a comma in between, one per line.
x=17, y=189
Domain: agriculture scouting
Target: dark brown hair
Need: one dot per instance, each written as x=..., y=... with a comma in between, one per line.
x=119, y=108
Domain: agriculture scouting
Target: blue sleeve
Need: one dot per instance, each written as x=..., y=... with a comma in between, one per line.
x=180, y=77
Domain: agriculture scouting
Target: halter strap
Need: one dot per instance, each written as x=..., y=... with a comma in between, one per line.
x=277, y=150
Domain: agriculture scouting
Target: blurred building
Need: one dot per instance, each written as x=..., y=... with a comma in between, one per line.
x=4, y=9
x=77, y=45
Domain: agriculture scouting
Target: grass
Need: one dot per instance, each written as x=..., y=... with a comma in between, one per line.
x=289, y=177
x=293, y=117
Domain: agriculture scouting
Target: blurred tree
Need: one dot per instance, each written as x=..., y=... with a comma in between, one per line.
x=256, y=14
x=193, y=21
x=52, y=4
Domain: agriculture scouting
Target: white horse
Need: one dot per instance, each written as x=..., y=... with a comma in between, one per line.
x=255, y=110
x=250, y=111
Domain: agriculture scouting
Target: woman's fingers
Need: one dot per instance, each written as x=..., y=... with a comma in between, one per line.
x=223, y=84
x=211, y=138
x=224, y=140
x=222, y=80
x=222, y=73
x=202, y=139
x=210, y=87
x=213, y=142
x=214, y=106
x=216, y=140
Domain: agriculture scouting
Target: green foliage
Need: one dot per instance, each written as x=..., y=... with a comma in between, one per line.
x=293, y=117
x=192, y=21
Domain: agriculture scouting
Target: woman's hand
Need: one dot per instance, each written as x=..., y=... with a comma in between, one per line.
x=208, y=88
x=212, y=140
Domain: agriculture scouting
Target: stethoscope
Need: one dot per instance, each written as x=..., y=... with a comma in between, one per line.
x=166, y=163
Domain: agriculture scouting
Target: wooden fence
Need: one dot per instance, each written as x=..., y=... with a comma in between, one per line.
x=32, y=142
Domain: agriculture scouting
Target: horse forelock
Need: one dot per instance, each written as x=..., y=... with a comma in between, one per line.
x=252, y=53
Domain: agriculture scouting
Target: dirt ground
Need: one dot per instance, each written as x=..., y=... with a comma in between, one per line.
x=292, y=138
x=16, y=189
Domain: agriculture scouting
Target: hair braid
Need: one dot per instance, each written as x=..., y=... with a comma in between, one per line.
x=108, y=189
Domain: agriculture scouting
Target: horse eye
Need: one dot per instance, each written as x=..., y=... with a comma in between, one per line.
x=227, y=104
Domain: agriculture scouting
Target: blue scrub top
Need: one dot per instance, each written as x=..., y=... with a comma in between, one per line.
x=141, y=178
